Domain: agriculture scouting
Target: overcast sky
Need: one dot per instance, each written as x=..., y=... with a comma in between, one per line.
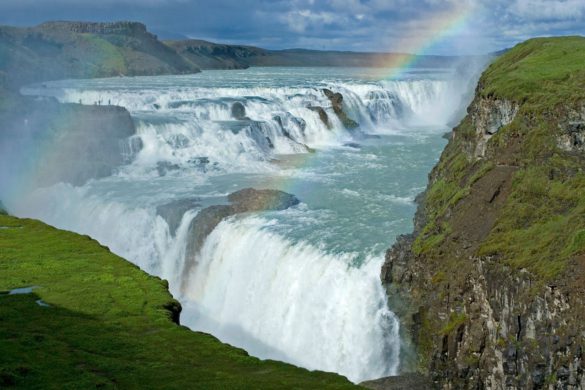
x=423, y=26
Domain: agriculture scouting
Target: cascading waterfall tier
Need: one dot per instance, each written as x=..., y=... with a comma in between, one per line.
x=241, y=128
x=291, y=301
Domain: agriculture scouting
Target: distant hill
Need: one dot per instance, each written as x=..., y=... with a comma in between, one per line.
x=55, y=50
x=209, y=55
x=62, y=49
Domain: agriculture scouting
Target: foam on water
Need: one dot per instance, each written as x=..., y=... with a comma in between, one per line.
x=323, y=313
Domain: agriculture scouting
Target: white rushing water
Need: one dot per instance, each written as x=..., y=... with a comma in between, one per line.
x=300, y=285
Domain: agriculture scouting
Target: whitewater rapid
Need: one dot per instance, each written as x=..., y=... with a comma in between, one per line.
x=300, y=285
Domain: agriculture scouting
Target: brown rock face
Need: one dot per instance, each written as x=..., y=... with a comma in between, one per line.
x=476, y=321
x=242, y=201
x=65, y=142
x=322, y=115
x=336, y=100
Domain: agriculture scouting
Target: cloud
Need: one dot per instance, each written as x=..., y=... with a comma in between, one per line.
x=299, y=21
x=543, y=10
x=452, y=26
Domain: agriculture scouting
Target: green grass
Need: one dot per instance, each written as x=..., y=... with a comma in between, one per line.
x=105, y=58
x=541, y=225
x=107, y=325
x=543, y=71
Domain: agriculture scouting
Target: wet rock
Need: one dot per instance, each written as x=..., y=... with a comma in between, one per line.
x=249, y=199
x=174, y=211
x=242, y=201
x=322, y=115
x=239, y=111
x=353, y=145
x=164, y=167
x=336, y=100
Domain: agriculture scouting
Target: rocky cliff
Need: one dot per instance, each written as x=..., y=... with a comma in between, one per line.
x=43, y=142
x=57, y=50
x=491, y=283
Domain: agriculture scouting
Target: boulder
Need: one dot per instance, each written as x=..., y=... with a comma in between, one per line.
x=336, y=100
x=249, y=199
x=173, y=212
x=322, y=115
x=242, y=201
x=239, y=111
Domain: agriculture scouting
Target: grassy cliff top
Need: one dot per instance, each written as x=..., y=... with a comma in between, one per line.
x=543, y=70
x=521, y=202
x=109, y=325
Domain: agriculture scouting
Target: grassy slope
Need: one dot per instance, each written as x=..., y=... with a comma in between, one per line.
x=107, y=325
x=541, y=226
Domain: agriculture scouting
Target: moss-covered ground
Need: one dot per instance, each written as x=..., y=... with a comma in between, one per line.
x=518, y=209
x=541, y=224
x=109, y=325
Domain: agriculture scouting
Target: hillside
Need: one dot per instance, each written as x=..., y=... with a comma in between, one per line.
x=93, y=320
x=64, y=49
x=493, y=275
x=209, y=55
x=57, y=50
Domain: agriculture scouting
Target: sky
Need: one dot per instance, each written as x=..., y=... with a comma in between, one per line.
x=445, y=27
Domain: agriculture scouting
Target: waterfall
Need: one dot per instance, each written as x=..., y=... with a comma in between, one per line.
x=257, y=284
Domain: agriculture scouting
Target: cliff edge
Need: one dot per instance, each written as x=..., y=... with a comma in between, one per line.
x=59, y=50
x=492, y=280
x=74, y=315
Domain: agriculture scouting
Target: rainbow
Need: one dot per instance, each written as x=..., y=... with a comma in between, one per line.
x=390, y=67
x=438, y=26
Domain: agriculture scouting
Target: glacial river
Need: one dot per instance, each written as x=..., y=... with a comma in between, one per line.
x=300, y=285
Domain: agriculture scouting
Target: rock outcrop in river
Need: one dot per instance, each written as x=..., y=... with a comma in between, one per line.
x=242, y=201
x=336, y=100
x=492, y=279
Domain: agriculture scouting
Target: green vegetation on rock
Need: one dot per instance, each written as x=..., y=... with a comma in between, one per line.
x=545, y=71
x=495, y=269
x=539, y=223
x=95, y=320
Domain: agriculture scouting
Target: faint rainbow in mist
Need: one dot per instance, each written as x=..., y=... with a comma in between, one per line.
x=440, y=26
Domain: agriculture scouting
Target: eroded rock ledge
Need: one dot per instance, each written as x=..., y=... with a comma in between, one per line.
x=242, y=201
